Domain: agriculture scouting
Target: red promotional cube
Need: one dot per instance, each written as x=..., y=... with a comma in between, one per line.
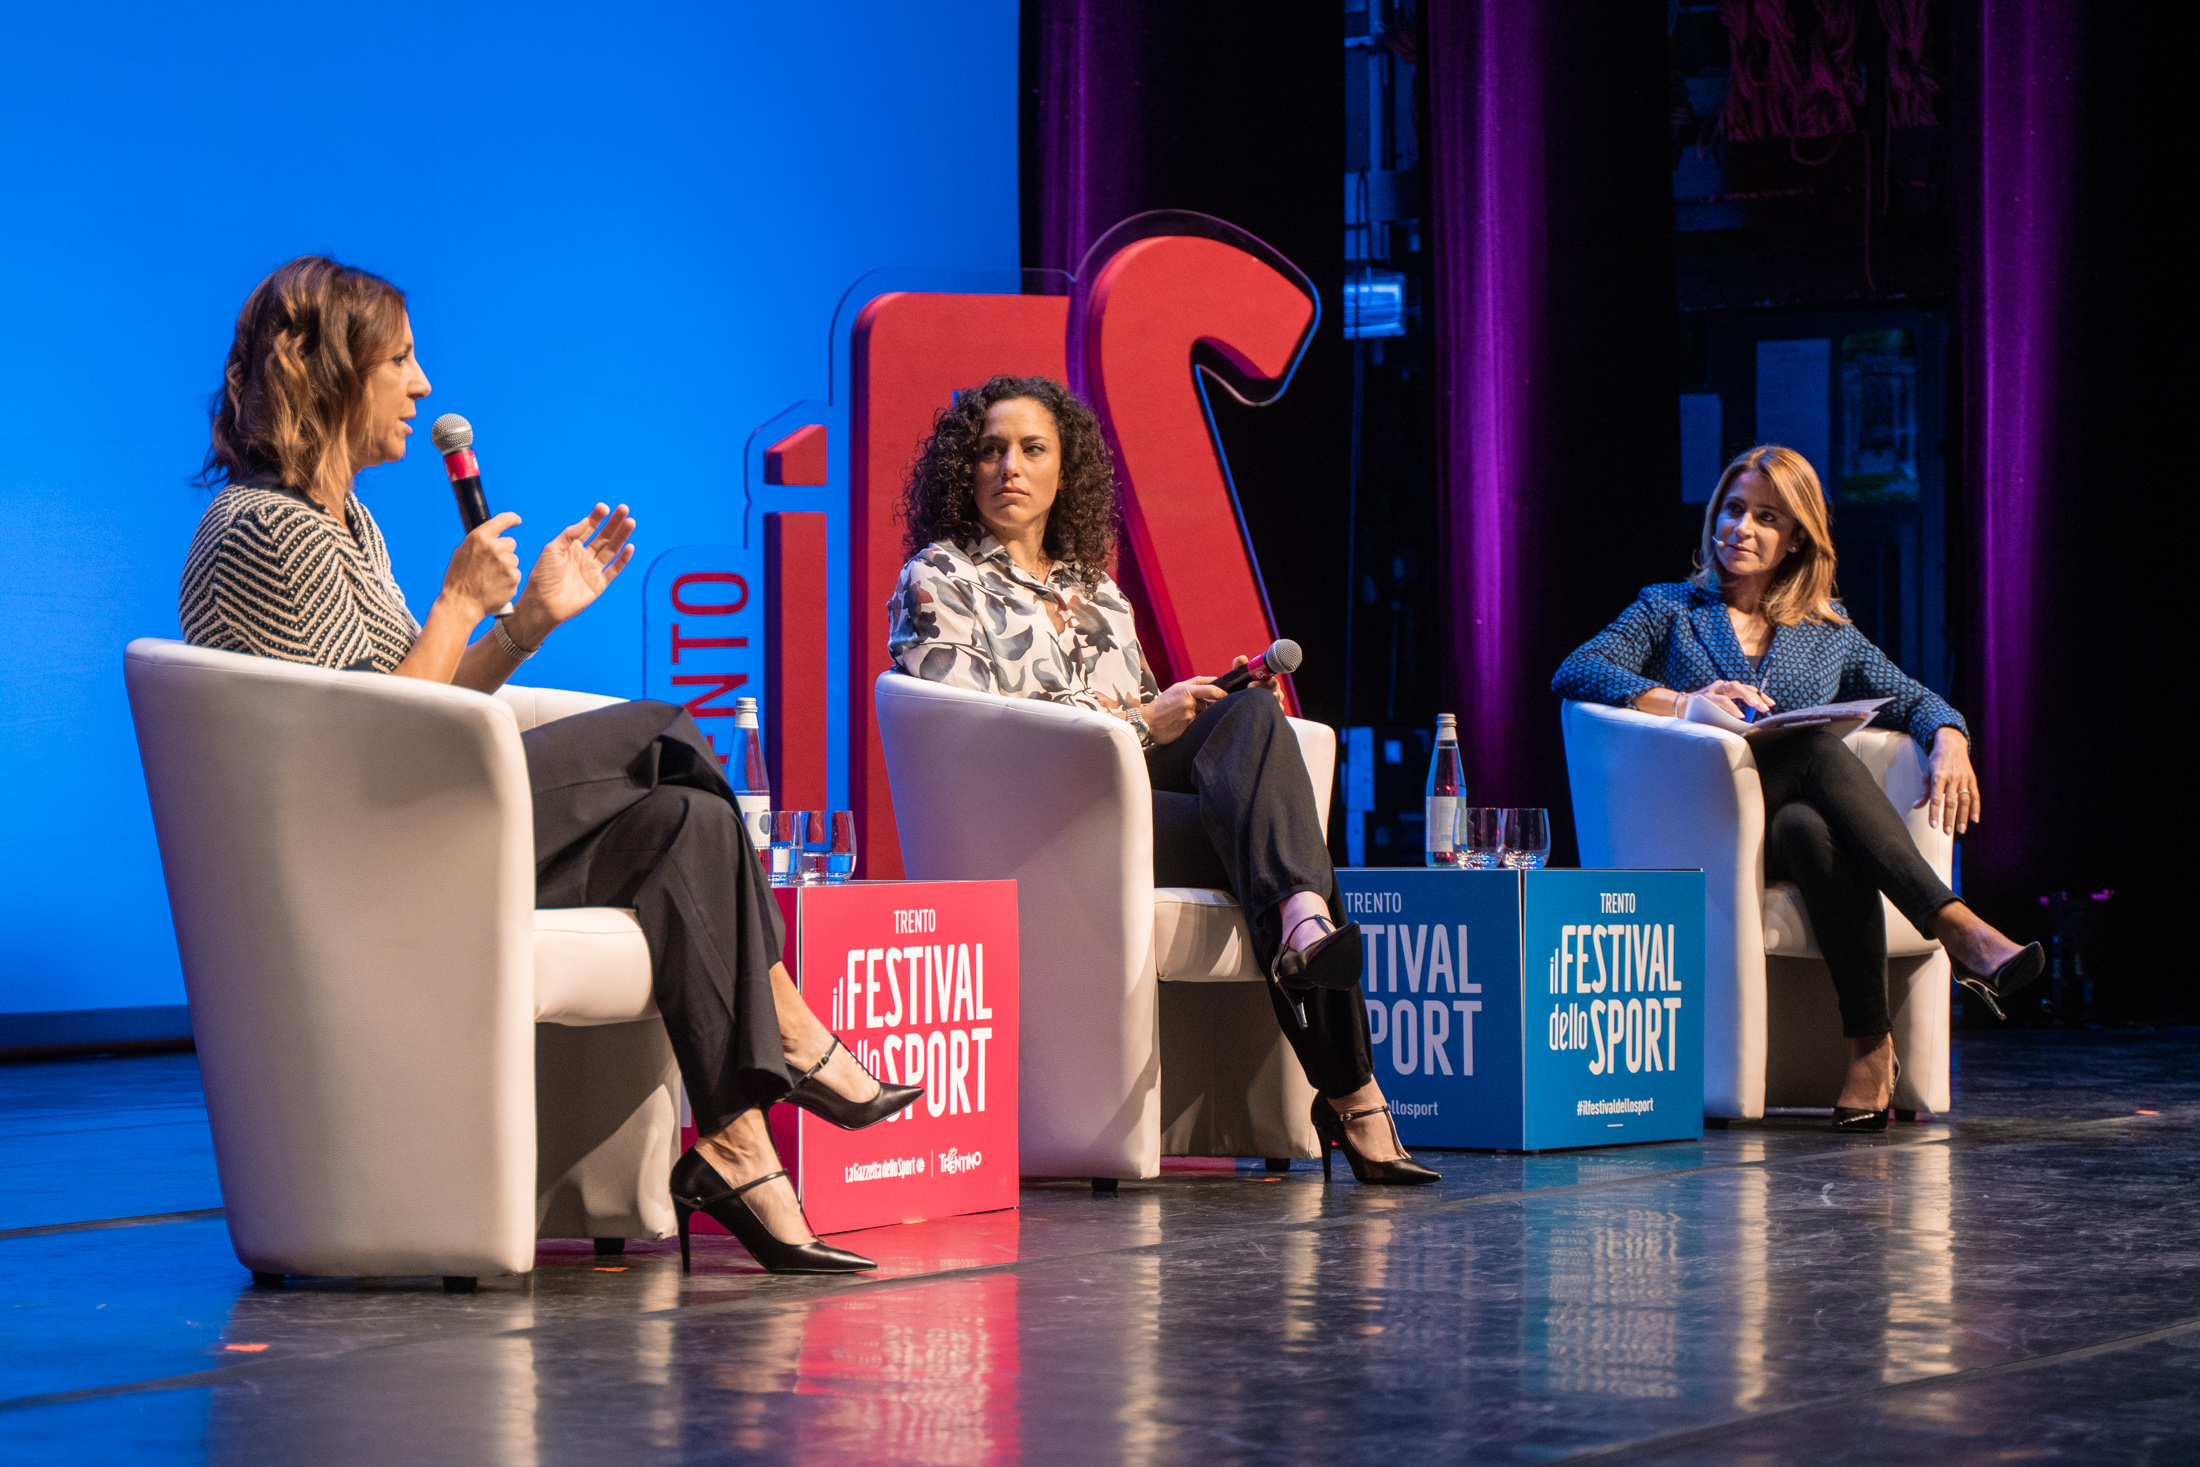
x=919, y=980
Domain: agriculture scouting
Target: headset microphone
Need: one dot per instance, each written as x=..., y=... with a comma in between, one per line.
x=454, y=439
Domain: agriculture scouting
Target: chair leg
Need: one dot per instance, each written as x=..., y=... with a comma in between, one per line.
x=1277, y=1165
x=1103, y=1186
x=459, y=1284
x=266, y=1280
x=610, y=1247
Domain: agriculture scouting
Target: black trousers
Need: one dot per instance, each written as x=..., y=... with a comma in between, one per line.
x=1830, y=829
x=631, y=810
x=1232, y=809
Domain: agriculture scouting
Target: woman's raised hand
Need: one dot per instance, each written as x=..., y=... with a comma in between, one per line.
x=1726, y=694
x=484, y=570
x=574, y=568
x=1170, y=714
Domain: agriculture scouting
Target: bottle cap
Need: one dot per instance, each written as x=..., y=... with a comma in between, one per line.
x=744, y=705
x=1447, y=720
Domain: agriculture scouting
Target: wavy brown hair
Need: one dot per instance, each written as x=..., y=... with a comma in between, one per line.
x=939, y=502
x=1802, y=588
x=306, y=339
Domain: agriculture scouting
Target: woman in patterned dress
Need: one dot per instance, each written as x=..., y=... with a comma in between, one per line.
x=631, y=809
x=1011, y=516
x=1758, y=625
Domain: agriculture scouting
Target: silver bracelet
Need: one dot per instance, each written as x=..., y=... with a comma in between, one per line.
x=511, y=646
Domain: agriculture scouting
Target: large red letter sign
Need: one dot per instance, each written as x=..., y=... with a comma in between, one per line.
x=913, y=353
x=1153, y=302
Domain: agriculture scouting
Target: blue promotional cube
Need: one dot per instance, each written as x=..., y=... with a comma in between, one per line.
x=1531, y=1010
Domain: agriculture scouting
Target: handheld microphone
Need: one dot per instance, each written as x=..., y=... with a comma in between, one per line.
x=1283, y=657
x=454, y=438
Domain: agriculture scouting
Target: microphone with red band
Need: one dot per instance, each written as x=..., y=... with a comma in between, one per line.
x=454, y=438
x=1282, y=658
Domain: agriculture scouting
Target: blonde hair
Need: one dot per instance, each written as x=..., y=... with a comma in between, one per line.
x=1802, y=587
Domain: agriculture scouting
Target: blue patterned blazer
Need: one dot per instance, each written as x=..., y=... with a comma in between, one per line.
x=1677, y=636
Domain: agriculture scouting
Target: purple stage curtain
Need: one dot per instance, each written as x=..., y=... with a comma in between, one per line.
x=1487, y=211
x=1086, y=121
x=1552, y=318
x=2021, y=60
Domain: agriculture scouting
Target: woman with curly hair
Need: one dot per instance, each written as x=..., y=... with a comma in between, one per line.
x=1011, y=516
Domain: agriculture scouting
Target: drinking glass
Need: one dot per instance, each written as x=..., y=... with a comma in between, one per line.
x=840, y=859
x=786, y=829
x=817, y=847
x=1481, y=836
x=1527, y=839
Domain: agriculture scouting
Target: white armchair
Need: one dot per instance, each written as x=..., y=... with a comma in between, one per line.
x=1146, y=1024
x=1658, y=792
x=408, y=1069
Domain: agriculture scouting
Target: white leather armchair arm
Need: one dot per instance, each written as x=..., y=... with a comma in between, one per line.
x=1057, y=800
x=1659, y=792
x=356, y=934
x=533, y=706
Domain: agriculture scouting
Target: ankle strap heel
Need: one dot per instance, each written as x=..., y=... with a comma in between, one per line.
x=1329, y=1125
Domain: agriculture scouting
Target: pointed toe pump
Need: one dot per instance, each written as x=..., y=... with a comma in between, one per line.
x=1850, y=1120
x=1404, y=1172
x=2018, y=972
x=820, y=1099
x=697, y=1186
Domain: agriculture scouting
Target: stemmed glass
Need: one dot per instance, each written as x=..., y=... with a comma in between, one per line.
x=1527, y=839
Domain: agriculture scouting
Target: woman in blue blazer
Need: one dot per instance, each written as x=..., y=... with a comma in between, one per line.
x=1757, y=626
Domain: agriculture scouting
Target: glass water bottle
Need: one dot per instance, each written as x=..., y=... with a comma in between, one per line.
x=1447, y=793
x=748, y=774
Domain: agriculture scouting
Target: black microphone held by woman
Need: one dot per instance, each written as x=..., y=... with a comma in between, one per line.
x=454, y=439
x=1280, y=660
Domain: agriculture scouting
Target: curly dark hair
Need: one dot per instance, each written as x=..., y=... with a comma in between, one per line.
x=939, y=503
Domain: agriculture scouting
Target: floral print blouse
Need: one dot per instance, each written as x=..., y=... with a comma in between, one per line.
x=970, y=617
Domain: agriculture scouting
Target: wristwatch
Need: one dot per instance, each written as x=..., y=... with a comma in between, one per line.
x=1135, y=712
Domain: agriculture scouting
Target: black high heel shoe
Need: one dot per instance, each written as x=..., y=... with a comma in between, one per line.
x=1332, y=961
x=820, y=1099
x=1850, y=1120
x=2024, y=968
x=697, y=1186
x=1404, y=1172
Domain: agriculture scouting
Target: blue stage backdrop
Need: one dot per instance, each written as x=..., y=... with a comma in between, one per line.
x=623, y=233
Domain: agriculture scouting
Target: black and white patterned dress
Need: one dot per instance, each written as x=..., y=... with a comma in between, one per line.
x=273, y=574
x=970, y=617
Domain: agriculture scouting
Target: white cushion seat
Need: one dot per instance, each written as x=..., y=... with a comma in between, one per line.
x=591, y=967
x=1788, y=934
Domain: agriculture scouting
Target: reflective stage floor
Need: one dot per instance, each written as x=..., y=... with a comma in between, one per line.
x=2021, y=1283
